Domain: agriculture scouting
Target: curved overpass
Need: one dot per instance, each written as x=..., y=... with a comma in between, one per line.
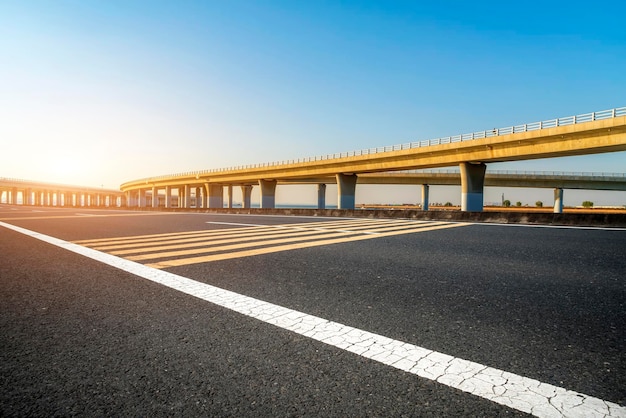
x=591, y=133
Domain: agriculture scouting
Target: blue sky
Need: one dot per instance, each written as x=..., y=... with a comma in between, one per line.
x=102, y=92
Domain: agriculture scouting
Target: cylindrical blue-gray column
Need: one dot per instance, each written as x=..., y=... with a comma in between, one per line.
x=321, y=196
x=141, y=201
x=472, y=184
x=268, y=193
x=246, y=196
x=558, y=200
x=187, y=199
x=229, y=192
x=346, y=190
x=168, y=196
x=216, y=196
x=425, y=196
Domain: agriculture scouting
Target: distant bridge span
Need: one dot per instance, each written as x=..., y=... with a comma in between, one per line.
x=591, y=133
x=36, y=193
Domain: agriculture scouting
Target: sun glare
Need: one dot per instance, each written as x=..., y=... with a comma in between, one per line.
x=65, y=169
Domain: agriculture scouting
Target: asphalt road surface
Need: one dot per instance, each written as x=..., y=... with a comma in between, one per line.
x=146, y=313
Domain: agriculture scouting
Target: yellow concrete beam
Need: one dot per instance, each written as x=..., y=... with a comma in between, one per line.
x=608, y=135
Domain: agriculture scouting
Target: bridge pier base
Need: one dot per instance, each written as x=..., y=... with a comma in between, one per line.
x=141, y=200
x=321, y=196
x=229, y=191
x=268, y=193
x=246, y=196
x=558, y=200
x=472, y=184
x=168, y=196
x=216, y=196
x=346, y=190
x=425, y=189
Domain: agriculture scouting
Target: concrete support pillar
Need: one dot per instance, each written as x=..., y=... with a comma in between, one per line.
x=141, y=199
x=168, y=196
x=155, y=197
x=558, y=200
x=321, y=196
x=229, y=191
x=216, y=196
x=346, y=188
x=187, y=199
x=268, y=193
x=425, y=190
x=246, y=193
x=472, y=184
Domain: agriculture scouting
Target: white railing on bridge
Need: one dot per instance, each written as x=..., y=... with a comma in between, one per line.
x=551, y=123
x=568, y=174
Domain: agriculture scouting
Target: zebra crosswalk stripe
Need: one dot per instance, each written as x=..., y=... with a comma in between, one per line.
x=193, y=247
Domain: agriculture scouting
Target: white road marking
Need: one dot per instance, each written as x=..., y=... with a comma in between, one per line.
x=508, y=389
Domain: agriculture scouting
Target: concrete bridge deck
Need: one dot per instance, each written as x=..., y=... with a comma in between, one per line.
x=39, y=193
x=591, y=133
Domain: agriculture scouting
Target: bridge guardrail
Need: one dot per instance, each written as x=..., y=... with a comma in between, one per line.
x=524, y=173
x=550, y=123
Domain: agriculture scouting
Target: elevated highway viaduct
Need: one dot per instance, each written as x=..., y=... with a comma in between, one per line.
x=597, y=132
x=35, y=193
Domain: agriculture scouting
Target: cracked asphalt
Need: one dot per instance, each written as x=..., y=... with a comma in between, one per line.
x=83, y=338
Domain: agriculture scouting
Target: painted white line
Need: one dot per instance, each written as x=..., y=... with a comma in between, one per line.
x=508, y=389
